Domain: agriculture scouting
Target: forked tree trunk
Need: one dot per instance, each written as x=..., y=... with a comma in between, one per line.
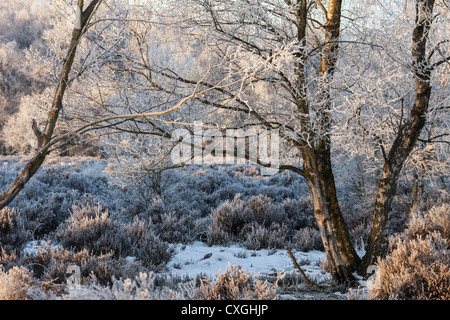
x=44, y=138
x=341, y=256
x=327, y=183
x=337, y=266
x=406, y=138
x=323, y=146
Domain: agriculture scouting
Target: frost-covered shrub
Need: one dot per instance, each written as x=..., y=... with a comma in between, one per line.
x=416, y=269
x=260, y=237
x=49, y=210
x=216, y=236
x=436, y=219
x=173, y=223
x=15, y=283
x=258, y=222
x=14, y=230
x=91, y=227
x=265, y=212
x=147, y=246
x=418, y=266
x=176, y=228
x=47, y=198
x=307, y=239
x=236, y=284
x=215, y=184
x=230, y=217
x=50, y=265
x=300, y=212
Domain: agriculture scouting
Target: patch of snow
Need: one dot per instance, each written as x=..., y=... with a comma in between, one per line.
x=197, y=258
x=32, y=248
x=130, y=259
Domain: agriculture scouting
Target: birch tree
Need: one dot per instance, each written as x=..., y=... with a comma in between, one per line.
x=45, y=135
x=409, y=131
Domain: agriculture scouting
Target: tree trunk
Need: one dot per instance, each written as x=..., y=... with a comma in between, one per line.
x=346, y=248
x=336, y=264
x=45, y=138
x=317, y=160
x=406, y=138
x=323, y=147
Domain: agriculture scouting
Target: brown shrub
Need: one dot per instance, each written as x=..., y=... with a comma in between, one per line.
x=418, y=266
x=236, y=284
x=15, y=283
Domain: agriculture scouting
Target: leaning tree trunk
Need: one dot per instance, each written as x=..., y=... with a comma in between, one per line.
x=406, y=138
x=44, y=138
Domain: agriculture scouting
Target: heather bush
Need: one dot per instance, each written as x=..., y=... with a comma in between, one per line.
x=146, y=246
x=436, y=219
x=260, y=223
x=230, y=216
x=14, y=230
x=418, y=266
x=91, y=228
x=265, y=212
x=47, y=198
x=236, y=284
x=416, y=269
x=300, y=212
x=260, y=237
x=50, y=264
x=216, y=236
x=257, y=222
x=307, y=239
x=173, y=224
x=15, y=283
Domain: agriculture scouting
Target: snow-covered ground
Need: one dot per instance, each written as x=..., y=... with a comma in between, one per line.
x=197, y=258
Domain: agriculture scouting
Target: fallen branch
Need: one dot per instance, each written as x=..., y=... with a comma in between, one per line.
x=308, y=282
